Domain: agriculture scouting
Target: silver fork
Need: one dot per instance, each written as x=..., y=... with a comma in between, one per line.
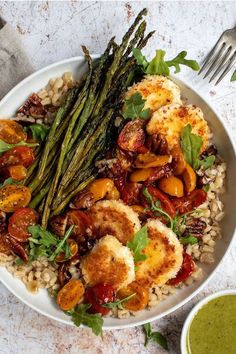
x=222, y=57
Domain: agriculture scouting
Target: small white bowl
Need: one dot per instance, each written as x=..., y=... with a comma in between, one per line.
x=193, y=312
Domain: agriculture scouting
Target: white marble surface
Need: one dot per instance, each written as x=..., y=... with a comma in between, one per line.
x=52, y=31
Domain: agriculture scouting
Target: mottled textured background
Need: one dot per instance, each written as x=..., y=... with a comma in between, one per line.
x=52, y=31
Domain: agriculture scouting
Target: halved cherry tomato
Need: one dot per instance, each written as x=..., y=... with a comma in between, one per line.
x=132, y=136
x=100, y=188
x=19, y=155
x=19, y=223
x=185, y=271
x=17, y=172
x=13, y=197
x=73, y=250
x=142, y=149
x=193, y=200
x=190, y=178
x=178, y=162
x=11, y=132
x=129, y=192
x=172, y=185
x=99, y=295
x=139, y=301
x=166, y=203
x=151, y=160
x=70, y=295
x=81, y=221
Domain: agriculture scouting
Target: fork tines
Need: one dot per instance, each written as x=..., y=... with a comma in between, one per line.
x=222, y=57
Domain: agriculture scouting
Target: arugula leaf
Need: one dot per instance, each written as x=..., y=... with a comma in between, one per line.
x=233, y=77
x=207, y=162
x=43, y=243
x=156, y=207
x=188, y=240
x=39, y=131
x=140, y=58
x=79, y=316
x=154, y=336
x=159, y=66
x=62, y=245
x=139, y=242
x=134, y=107
x=118, y=303
x=5, y=146
x=180, y=60
x=9, y=181
x=191, y=146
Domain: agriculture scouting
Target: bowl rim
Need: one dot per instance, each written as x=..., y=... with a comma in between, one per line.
x=194, y=311
x=194, y=293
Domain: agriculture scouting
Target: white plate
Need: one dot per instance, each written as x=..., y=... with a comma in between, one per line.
x=193, y=312
x=42, y=302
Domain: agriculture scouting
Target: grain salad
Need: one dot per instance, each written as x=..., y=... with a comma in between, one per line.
x=110, y=194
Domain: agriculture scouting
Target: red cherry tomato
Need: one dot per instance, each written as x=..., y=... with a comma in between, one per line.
x=132, y=136
x=129, y=191
x=193, y=200
x=185, y=271
x=19, y=155
x=143, y=150
x=156, y=194
x=17, y=172
x=99, y=295
x=81, y=221
x=19, y=223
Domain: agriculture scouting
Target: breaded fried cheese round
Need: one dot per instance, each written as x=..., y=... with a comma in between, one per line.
x=157, y=90
x=112, y=217
x=109, y=262
x=170, y=120
x=164, y=255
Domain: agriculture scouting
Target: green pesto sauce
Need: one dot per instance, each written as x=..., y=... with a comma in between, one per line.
x=213, y=329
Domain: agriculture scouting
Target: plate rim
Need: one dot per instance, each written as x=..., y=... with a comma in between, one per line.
x=189, y=297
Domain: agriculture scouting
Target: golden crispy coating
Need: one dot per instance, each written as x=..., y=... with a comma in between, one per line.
x=115, y=218
x=170, y=120
x=109, y=262
x=164, y=256
x=157, y=90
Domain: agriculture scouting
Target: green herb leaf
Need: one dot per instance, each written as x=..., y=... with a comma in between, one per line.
x=160, y=339
x=139, y=242
x=80, y=316
x=206, y=187
x=154, y=336
x=191, y=146
x=19, y=261
x=39, y=131
x=134, y=107
x=118, y=303
x=208, y=162
x=45, y=244
x=233, y=77
x=180, y=60
x=9, y=181
x=62, y=244
x=5, y=146
x=156, y=207
x=188, y=240
x=158, y=65
x=140, y=58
